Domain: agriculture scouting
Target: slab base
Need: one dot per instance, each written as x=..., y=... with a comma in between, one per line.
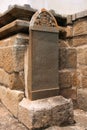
x=45, y=112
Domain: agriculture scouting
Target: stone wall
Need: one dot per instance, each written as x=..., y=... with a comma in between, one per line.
x=28, y=68
x=72, y=51
x=73, y=59
x=12, y=51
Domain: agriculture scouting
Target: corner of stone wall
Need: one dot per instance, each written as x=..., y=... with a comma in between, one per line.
x=73, y=59
x=12, y=51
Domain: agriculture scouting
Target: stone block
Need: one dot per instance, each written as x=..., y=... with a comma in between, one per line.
x=17, y=12
x=82, y=99
x=8, y=59
x=45, y=112
x=70, y=93
x=73, y=17
x=74, y=127
x=13, y=58
x=81, y=14
x=84, y=81
x=80, y=27
x=81, y=56
x=14, y=27
x=69, y=31
x=1, y=58
x=65, y=79
x=18, y=39
x=3, y=91
x=67, y=58
x=63, y=43
x=16, y=81
x=69, y=19
x=12, y=81
x=76, y=78
x=80, y=40
x=12, y=52
x=65, y=32
x=11, y=99
x=62, y=58
x=71, y=61
x=18, y=58
x=83, y=70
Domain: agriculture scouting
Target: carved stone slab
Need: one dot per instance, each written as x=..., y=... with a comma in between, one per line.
x=42, y=76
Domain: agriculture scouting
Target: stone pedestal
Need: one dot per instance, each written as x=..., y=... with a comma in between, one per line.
x=47, y=112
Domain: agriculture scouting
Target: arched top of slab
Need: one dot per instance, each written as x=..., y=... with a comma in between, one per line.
x=43, y=18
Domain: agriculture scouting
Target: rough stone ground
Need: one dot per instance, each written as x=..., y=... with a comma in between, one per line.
x=8, y=122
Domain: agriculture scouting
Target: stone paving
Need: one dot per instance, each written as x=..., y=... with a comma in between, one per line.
x=8, y=122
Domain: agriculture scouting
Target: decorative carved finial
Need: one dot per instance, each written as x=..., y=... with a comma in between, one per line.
x=43, y=18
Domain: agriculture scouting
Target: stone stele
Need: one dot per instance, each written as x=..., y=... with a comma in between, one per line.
x=42, y=57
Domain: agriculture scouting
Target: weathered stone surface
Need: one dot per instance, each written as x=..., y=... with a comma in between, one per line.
x=70, y=93
x=83, y=70
x=69, y=78
x=82, y=56
x=12, y=81
x=13, y=58
x=18, y=39
x=12, y=52
x=1, y=58
x=65, y=32
x=66, y=128
x=45, y=112
x=69, y=31
x=71, y=58
x=62, y=58
x=82, y=99
x=81, y=14
x=65, y=79
x=43, y=18
x=18, y=56
x=11, y=99
x=80, y=40
x=16, y=12
x=44, y=65
x=80, y=117
x=76, y=79
x=45, y=60
x=84, y=81
x=80, y=27
x=7, y=120
x=16, y=81
x=67, y=58
x=8, y=59
x=63, y=43
x=69, y=19
x=17, y=26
